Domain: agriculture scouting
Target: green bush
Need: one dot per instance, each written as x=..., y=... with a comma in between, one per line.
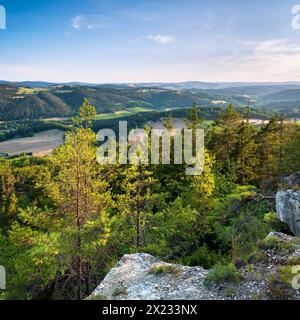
x=276, y=245
x=204, y=257
x=223, y=274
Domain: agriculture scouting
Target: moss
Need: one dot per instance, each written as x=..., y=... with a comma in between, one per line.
x=229, y=292
x=120, y=292
x=278, y=289
x=276, y=245
x=255, y=296
x=257, y=256
x=162, y=269
x=223, y=274
x=294, y=261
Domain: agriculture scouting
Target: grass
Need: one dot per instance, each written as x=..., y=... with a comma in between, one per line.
x=121, y=113
x=139, y=109
x=163, y=269
x=223, y=274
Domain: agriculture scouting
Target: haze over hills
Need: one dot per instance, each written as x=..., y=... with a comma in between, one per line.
x=32, y=100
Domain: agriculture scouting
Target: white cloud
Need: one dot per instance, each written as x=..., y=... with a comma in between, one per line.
x=90, y=22
x=270, y=60
x=161, y=39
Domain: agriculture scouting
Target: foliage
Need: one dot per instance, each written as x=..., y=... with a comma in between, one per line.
x=223, y=274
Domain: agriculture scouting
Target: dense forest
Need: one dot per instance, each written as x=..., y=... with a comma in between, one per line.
x=44, y=101
x=65, y=220
x=25, y=103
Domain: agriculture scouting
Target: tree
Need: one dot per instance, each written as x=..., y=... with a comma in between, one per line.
x=169, y=123
x=226, y=138
x=291, y=150
x=81, y=195
x=87, y=113
x=269, y=144
x=244, y=154
x=137, y=203
x=193, y=120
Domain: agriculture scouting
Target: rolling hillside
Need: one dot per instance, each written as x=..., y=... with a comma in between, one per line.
x=30, y=103
x=34, y=100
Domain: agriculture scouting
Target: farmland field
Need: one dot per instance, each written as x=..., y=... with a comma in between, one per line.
x=42, y=143
x=121, y=113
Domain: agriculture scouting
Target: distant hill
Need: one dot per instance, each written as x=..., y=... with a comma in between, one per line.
x=31, y=103
x=284, y=95
x=33, y=100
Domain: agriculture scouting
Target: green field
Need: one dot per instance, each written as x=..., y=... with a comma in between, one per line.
x=121, y=113
x=139, y=109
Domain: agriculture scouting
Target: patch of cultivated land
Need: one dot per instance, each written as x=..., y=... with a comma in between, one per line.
x=41, y=144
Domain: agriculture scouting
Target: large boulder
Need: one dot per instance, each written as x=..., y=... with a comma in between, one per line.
x=288, y=203
x=142, y=277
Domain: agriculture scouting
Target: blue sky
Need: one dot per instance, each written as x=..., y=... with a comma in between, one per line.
x=106, y=41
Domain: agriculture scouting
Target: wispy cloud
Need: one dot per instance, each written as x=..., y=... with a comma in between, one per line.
x=273, y=59
x=90, y=22
x=160, y=39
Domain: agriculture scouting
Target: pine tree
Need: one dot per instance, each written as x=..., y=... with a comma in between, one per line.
x=244, y=154
x=87, y=113
x=169, y=123
x=226, y=138
x=81, y=195
x=193, y=121
x=291, y=150
x=136, y=203
x=269, y=145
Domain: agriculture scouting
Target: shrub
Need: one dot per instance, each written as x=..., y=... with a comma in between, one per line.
x=278, y=289
x=275, y=223
x=222, y=274
x=257, y=256
x=276, y=245
x=204, y=257
x=294, y=261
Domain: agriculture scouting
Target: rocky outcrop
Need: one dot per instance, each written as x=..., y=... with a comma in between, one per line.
x=288, y=203
x=142, y=277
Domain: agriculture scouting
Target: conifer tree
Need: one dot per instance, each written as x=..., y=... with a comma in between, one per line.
x=226, y=138
x=244, y=154
x=269, y=144
x=81, y=196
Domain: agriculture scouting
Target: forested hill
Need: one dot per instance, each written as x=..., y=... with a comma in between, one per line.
x=24, y=101
x=19, y=102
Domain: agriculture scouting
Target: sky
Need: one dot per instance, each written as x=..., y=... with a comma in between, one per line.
x=115, y=41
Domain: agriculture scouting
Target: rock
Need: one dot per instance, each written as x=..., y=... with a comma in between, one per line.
x=280, y=236
x=288, y=203
x=140, y=276
x=292, y=180
x=143, y=277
